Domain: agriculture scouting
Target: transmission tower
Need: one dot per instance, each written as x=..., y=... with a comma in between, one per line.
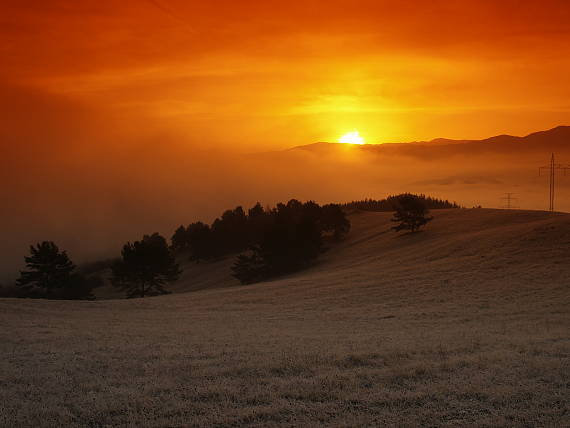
x=552, y=168
x=508, y=198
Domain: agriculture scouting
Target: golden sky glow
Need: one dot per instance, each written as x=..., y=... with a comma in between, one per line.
x=261, y=75
x=119, y=118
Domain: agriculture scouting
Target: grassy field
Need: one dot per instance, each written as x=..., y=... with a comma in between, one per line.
x=464, y=324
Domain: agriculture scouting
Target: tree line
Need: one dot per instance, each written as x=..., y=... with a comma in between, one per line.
x=271, y=242
x=390, y=203
x=237, y=230
x=290, y=238
x=268, y=242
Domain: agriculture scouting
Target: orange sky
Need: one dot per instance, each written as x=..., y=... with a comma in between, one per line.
x=260, y=75
x=119, y=118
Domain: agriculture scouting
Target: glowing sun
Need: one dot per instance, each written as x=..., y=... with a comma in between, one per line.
x=351, y=138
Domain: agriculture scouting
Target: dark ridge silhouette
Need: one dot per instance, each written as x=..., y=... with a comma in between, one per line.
x=391, y=203
x=555, y=139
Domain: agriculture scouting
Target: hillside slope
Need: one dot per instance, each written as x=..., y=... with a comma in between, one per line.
x=462, y=246
x=469, y=247
x=463, y=324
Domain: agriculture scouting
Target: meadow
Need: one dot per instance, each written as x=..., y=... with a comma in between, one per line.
x=463, y=324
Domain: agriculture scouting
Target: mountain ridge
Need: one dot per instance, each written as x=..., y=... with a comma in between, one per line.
x=552, y=139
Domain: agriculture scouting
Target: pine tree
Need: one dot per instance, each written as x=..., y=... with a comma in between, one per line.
x=146, y=266
x=48, y=269
x=179, y=239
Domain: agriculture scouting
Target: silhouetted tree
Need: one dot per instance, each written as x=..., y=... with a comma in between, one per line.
x=258, y=221
x=146, y=266
x=200, y=241
x=230, y=232
x=48, y=269
x=180, y=239
x=291, y=242
x=334, y=220
x=411, y=213
x=250, y=268
x=255, y=211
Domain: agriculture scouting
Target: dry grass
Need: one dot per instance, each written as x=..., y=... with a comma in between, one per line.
x=465, y=324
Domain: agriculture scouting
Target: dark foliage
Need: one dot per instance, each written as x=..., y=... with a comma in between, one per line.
x=411, y=213
x=389, y=204
x=250, y=268
x=145, y=267
x=50, y=274
x=200, y=241
x=291, y=240
x=48, y=268
x=79, y=287
x=334, y=220
x=237, y=231
x=278, y=240
x=180, y=239
x=196, y=238
x=230, y=232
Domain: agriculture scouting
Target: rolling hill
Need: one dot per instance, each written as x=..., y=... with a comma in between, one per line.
x=472, y=242
x=463, y=324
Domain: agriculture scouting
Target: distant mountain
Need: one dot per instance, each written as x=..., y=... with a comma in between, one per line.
x=552, y=140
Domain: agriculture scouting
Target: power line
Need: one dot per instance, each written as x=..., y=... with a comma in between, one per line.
x=552, y=168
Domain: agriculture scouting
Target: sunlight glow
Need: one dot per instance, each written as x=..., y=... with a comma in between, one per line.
x=351, y=138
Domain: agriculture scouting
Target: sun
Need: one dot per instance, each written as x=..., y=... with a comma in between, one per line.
x=351, y=138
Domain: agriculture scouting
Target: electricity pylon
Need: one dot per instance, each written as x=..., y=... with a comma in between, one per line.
x=508, y=198
x=552, y=168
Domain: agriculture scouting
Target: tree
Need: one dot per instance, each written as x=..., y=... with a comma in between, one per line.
x=334, y=220
x=230, y=232
x=411, y=213
x=250, y=268
x=199, y=236
x=258, y=221
x=146, y=266
x=289, y=244
x=49, y=269
x=255, y=211
x=180, y=239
